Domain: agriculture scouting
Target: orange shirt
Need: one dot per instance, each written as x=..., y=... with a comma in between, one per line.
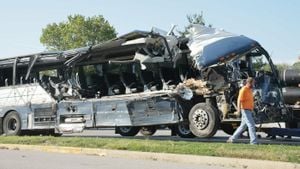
x=246, y=98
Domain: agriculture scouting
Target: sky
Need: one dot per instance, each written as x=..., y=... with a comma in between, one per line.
x=275, y=24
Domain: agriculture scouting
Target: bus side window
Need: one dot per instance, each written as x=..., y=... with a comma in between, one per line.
x=49, y=73
x=6, y=77
x=1, y=80
x=44, y=77
x=20, y=76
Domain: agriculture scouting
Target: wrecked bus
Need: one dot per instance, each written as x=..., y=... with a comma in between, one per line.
x=139, y=81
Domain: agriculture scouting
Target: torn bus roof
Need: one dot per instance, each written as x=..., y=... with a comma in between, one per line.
x=208, y=46
x=42, y=59
x=211, y=46
x=106, y=51
x=205, y=47
x=137, y=45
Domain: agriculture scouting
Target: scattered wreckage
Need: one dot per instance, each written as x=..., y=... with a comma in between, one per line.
x=139, y=81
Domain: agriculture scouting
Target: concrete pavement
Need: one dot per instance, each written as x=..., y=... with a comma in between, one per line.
x=27, y=159
x=186, y=160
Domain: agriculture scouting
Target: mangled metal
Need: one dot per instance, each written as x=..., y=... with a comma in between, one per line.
x=187, y=87
x=211, y=46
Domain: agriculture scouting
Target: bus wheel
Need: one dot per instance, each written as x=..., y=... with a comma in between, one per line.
x=148, y=131
x=183, y=130
x=204, y=121
x=127, y=130
x=12, y=124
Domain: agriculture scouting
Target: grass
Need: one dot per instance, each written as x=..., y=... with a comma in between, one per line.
x=284, y=153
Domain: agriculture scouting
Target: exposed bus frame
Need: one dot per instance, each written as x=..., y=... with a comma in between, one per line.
x=75, y=114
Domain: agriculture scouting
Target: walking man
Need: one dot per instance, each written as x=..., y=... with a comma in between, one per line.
x=245, y=106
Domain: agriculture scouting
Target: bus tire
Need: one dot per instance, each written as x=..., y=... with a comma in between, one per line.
x=127, y=130
x=204, y=120
x=183, y=130
x=148, y=131
x=12, y=124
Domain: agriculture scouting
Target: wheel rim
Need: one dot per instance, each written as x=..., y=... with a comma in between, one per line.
x=200, y=118
x=12, y=124
x=184, y=128
x=125, y=129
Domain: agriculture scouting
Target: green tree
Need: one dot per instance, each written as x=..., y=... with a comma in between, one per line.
x=296, y=65
x=194, y=19
x=77, y=31
x=282, y=66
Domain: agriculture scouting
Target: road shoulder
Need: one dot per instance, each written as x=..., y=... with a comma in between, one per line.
x=188, y=159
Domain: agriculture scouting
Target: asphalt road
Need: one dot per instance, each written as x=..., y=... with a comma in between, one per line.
x=165, y=134
x=17, y=159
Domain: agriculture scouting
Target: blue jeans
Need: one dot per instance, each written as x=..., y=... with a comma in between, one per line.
x=247, y=121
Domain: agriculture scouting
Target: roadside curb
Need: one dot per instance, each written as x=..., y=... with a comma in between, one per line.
x=178, y=158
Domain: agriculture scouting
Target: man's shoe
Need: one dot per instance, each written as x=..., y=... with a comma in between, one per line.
x=229, y=141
